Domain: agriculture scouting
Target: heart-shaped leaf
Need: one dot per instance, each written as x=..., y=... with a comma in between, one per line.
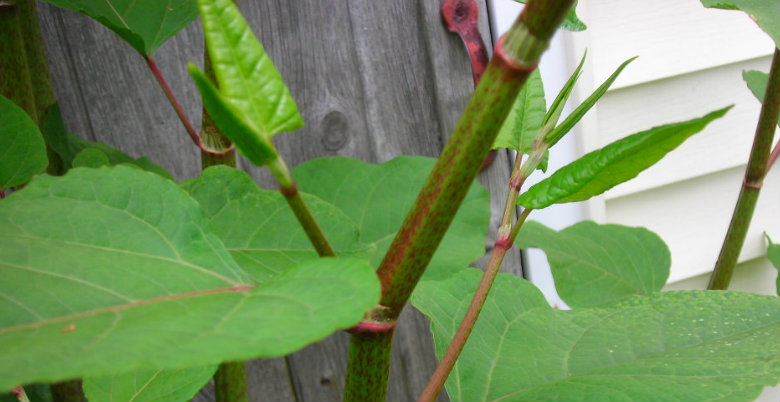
x=22, y=151
x=596, y=265
x=676, y=346
x=149, y=385
x=763, y=12
x=110, y=270
x=377, y=198
x=258, y=227
x=616, y=163
x=144, y=24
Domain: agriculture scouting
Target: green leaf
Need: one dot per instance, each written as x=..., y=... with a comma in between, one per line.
x=110, y=270
x=253, y=144
x=22, y=151
x=68, y=146
x=247, y=78
x=571, y=120
x=525, y=119
x=763, y=12
x=144, y=24
x=674, y=347
x=756, y=82
x=91, y=157
x=258, y=227
x=616, y=163
x=773, y=254
x=149, y=385
x=378, y=197
x=556, y=109
x=596, y=265
x=571, y=23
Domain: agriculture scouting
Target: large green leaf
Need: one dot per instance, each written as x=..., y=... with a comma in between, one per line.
x=378, y=197
x=144, y=24
x=765, y=13
x=110, y=270
x=525, y=119
x=22, y=151
x=616, y=163
x=149, y=385
x=596, y=265
x=247, y=78
x=673, y=347
x=68, y=147
x=258, y=227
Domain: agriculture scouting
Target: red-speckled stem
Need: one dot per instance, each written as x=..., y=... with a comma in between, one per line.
x=421, y=232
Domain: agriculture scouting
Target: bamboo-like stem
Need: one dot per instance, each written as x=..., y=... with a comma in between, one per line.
x=751, y=185
x=38, y=65
x=230, y=382
x=515, y=57
x=439, y=377
x=15, y=81
x=369, y=366
x=35, y=53
x=68, y=391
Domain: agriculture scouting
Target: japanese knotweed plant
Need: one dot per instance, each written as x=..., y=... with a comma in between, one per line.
x=115, y=274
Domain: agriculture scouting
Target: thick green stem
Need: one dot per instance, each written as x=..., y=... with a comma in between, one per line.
x=42, y=89
x=224, y=153
x=422, y=230
x=230, y=379
x=515, y=57
x=751, y=185
x=230, y=382
x=369, y=366
x=68, y=391
x=15, y=81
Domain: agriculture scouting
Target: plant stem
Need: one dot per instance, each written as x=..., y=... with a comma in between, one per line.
x=289, y=190
x=174, y=102
x=20, y=395
x=230, y=379
x=368, y=366
x=68, y=391
x=230, y=382
x=436, y=383
x=515, y=57
x=758, y=164
x=15, y=81
x=773, y=156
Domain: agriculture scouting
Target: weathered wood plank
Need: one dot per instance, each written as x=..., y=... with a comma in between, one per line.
x=373, y=80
